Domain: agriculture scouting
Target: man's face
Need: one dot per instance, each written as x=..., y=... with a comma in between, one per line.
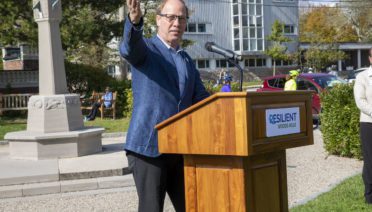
x=169, y=30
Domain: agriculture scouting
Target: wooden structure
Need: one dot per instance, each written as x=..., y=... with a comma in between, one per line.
x=86, y=104
x=10, y=102
x=231, y=161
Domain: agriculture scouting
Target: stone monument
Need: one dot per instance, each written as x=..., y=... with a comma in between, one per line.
x=55, y=125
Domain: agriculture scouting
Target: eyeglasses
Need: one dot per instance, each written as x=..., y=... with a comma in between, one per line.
x=172, y=18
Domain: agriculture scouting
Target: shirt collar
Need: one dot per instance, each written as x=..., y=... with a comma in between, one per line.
x=178, y=49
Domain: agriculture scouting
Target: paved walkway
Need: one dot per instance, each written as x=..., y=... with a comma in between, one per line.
x=310, y=172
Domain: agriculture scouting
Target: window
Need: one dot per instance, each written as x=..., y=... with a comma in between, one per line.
x=202, y=28
x=303, y=84
x=201, y=64
x=196, y=27
x=12, y=53
x=276, y=82
x=289, y=29
x=255, y=62
x=236, y=33
x=191, y=27
x=222, y=63
x=248, y=19
x=260, y=62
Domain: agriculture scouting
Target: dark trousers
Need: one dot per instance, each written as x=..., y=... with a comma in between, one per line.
x=92, y=114
x=366, y=138
x=156, y=176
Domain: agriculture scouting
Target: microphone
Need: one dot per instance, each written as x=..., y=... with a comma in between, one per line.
x=212, y=47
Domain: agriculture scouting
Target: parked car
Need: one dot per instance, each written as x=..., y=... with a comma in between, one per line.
x=317, y=82
x=352, y=74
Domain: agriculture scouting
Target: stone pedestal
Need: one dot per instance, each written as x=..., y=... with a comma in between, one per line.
x=54, y=113
x=37, y=146
x=55, y=129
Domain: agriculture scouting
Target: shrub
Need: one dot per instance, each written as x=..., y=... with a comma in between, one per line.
x=83, y=79
x=212, y=88
x=340, y=121
x=127, y=111
x=124, y=101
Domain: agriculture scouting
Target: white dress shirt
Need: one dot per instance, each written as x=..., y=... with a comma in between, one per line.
x=363, y=94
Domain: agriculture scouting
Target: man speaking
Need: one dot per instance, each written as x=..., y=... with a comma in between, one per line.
x=164, y=82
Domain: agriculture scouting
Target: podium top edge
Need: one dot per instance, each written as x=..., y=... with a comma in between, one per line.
x=227, y=95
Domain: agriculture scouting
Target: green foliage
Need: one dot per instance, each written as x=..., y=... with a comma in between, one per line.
x=1, y=65
x=321, y=56
x=346, y=197
x=277, y=50
x=340, y=121
x=212, y=88
x=86, y=27
x=277, y=33
x=84, y=79
x=127, y=110
x=124, y=102
x=17, y=24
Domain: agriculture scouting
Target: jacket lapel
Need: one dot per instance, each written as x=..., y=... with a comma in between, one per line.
x=170, y=69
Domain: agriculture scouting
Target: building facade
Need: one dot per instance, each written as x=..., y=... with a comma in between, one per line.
x=242, y=26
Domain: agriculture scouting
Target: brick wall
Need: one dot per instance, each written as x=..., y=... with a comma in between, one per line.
x=21, y=65
x=13, y=65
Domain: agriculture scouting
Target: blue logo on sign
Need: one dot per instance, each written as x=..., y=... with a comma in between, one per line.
x=282, y=117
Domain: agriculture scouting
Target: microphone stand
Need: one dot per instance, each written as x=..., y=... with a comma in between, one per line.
x=236, y=64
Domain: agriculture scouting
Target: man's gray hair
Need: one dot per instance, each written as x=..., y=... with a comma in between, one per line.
x=163, y=2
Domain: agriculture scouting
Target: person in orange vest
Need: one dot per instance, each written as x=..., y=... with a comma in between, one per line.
x=291, y=84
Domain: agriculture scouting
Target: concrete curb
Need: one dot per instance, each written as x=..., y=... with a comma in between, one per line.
x=94, y=174
x=65, y=186
x=114, y=135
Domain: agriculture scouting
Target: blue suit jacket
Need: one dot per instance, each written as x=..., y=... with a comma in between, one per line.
x=156, y=94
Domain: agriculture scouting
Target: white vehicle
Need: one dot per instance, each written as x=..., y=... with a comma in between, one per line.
x=354, y=73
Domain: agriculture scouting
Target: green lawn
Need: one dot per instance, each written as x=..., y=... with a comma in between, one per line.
x=11, y=125
x=347, y=197
x=118, y=125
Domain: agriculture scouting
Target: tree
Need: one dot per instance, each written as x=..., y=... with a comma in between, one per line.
x=326, y=25
x=87, y=26
x=16, y=23
x=359, y=15
x=277, y=51
x=321, y=56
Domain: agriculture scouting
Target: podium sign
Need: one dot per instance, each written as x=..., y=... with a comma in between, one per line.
x=234, y=148
x=282, y=121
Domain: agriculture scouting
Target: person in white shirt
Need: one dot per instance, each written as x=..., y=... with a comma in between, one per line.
x=363, y=99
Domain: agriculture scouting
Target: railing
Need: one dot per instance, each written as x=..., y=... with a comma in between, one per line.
x=17, y=79
x=14, y=102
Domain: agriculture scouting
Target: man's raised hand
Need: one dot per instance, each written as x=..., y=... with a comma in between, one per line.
x=135, y=13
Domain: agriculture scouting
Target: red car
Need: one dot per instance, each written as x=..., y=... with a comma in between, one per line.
x=316, y=82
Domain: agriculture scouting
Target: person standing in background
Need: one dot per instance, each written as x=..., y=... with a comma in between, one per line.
x=363, y=100
x=165, y=81
x=226, y=84
x=291, y=84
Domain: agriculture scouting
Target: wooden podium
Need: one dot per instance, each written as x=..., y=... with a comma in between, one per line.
x=233, y=146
